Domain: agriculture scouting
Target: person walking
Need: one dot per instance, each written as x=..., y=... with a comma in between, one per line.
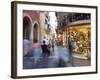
x=45, y=50
x=53, y=45
x=36, y=51
x=71, y=45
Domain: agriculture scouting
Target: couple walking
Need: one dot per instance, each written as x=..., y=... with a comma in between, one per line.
x=47, y=47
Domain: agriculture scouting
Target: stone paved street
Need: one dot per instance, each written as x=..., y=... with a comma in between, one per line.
x=59, y=58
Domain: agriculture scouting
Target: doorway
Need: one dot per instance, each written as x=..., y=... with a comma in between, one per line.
x=26, y=28
x=35, y=31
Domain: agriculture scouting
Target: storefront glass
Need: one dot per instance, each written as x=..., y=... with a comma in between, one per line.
x=81, y=34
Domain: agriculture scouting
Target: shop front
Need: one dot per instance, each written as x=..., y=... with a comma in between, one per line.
x=81, y=34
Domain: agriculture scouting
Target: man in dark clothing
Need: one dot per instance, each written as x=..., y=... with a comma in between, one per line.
x=45, y=50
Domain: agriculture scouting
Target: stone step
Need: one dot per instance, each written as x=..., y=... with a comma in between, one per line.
x=79, y=56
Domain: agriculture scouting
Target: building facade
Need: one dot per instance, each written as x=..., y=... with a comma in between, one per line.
x=31, y=25
x=35, y=25
x=79, y=27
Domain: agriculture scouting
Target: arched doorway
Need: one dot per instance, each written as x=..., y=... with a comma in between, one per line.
x=26, y=27
x=35, y=32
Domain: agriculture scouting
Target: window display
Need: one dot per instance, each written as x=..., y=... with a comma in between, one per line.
x=81, y=35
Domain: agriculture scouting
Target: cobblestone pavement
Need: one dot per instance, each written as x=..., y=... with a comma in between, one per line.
x=59, y=58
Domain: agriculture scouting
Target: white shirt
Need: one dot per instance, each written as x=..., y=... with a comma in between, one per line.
x=46, y=41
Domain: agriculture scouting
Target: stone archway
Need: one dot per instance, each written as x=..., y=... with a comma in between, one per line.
x=26, y=27
x=36, y=31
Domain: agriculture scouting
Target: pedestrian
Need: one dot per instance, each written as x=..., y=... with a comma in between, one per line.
x=71, y=46
x=52, y=45
x=45, y=50
x=36, y=51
